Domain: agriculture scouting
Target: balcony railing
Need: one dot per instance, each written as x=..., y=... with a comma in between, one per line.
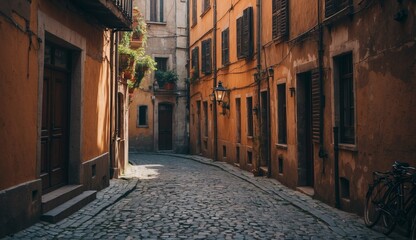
x=116, y=14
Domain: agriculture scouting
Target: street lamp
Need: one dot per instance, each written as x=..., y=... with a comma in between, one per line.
x=220, y=93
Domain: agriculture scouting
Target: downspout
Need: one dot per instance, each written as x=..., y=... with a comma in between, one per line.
x=112, y=157
x=188, y=83
x=322, y=153
x=258, y=78
x=214, y=63
x=116, y=119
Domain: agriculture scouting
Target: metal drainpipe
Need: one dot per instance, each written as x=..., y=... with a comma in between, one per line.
x=111, y=100
x=259, y=76
x=336, y=172
x=214, y=63
x=322, y=152
x=188, y=83
x=116, y=120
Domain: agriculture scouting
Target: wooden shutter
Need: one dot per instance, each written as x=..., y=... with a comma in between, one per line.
x=280, y=19
x=247, y=33
x=239, y=36
x=153, y=10
x=316, y=104
x=225, y=46
x=195, y=61
x=194, y=17
x=206, y=56
x=203, y=56
x=208, y=64
x=330, y=7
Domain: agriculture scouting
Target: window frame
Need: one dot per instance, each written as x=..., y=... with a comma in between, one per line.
x=139, y=115
x=250, y=120
x=344, y=89
x=281, y=114
x=156, y=11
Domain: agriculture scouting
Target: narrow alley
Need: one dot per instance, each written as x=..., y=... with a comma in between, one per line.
x=191, y=197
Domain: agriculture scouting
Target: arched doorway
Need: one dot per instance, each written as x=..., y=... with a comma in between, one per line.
x=165, y=126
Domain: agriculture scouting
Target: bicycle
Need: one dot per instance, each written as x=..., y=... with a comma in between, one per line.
x=400, y=201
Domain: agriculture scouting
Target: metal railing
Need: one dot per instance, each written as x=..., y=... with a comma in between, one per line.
x=126, y=7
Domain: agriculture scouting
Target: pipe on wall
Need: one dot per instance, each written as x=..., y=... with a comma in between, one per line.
x=214, y=63
x=258, y=78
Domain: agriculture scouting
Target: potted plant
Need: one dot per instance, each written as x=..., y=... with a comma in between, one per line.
x=166, y=79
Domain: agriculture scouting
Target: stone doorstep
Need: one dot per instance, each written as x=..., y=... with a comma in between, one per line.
x=59, y=196
x=69, y=207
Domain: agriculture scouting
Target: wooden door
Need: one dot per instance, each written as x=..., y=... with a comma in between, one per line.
x=304, y=125
x=165, y=127
x=54, y=138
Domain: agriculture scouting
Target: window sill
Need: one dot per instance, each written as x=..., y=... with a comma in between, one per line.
x=156, y=23
x=143, y=126
x=348, y=147
x=205, y=12
x=281, y=146
x=338, y=15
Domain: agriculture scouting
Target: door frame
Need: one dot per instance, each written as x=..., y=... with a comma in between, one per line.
x=305, y=172
x=172, y=106
x=51, y=30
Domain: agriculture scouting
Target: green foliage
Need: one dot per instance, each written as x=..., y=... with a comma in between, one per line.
x=135, y=61
x=163, y=77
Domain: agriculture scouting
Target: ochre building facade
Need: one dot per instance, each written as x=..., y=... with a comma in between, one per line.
x=57, y=82
x=319, y=94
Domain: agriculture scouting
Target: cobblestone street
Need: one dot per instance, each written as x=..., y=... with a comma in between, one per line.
x=189, y=197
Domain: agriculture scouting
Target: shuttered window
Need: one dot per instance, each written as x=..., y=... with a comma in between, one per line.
x=195, y=62
x=206, y=56
x=334, y=6
x=280, y=21
x=245, y=34
x=194, y=17
x=206, y=5
x=316, y=105
x=225, y=47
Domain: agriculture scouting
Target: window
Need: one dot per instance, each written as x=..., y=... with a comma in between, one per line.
x=206, y=56
x=141, y=116
x=249, y=116
x=156, y=11
x=195, y=63
x=280, y=26
x=225, y=47
x=245, y=35
x=161, y=63
x=205, y=108
x=281, y=113
x=194, y=16
x=334, y=6
x=205, y=5
x=344, y=87
x=238, y=118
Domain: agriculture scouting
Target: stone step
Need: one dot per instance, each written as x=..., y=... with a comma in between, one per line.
x=64, y=210
x=59, y=196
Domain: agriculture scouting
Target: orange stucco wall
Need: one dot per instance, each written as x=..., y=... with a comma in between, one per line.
x=384, y=90
x=20, y=95
x=18, y=118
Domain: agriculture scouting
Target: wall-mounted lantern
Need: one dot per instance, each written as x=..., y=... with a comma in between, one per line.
x=220, y=95
x=292, y=91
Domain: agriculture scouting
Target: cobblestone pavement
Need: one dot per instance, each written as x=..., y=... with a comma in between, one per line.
x=179, y=198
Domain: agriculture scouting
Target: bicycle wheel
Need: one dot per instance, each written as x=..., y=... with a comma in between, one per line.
x=373, y=203
x=390, y=210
